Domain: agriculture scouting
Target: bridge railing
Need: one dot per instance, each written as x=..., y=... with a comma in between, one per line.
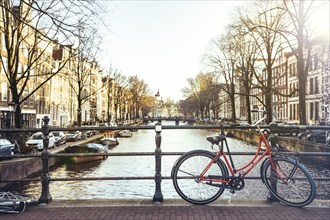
x=45, y=178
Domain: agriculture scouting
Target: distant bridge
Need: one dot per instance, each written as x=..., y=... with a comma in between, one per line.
x=176, y=119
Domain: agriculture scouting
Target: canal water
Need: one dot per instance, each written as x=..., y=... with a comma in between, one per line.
x=173, y=140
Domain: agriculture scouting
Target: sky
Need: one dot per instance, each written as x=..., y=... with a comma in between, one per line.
x=162, y=42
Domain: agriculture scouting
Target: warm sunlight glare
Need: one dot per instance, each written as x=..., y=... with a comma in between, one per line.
x=320, y=19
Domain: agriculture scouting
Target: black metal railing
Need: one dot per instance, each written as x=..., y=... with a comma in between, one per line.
x=45, y=178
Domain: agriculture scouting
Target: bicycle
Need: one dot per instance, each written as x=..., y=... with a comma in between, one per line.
x=201, y=176
x=14, y=203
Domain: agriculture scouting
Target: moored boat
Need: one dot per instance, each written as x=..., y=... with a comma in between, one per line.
x=109, y=140
x=87, y=148
x=125, y=133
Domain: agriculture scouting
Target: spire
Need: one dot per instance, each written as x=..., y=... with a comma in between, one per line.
x=157, y=94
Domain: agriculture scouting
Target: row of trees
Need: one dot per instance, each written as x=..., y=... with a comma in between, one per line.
x=259, y=33
x=126, y=92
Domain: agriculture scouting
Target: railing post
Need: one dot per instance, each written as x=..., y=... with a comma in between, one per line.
x=273, y=185
x=158, y=196
x=45, y=195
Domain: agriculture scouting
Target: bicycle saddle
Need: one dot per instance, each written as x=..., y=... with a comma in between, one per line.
x=216, y=139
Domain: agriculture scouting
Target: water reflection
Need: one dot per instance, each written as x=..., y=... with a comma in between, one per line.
x=144, y=141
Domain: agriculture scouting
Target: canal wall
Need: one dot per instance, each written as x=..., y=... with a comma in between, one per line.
x=286, y=143
x=18, y=169
x=21, y=168
x=289, y=143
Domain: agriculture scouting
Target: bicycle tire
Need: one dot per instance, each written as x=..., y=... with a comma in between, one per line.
x=191, y=189
x=298, y=190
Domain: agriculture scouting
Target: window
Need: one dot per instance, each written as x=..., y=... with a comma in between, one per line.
x=316, y=85
x=316, y=110
x=311, y=86
x=294, y=69
x=316, y=62
x=4, y=92
x=25, y=93
x=311, y=109
x=20, y=69
x=4, y=66
x=290, y=69
x=3, y=41
x=31, y=101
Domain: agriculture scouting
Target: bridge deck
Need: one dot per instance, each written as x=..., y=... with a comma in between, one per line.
x=97, y=209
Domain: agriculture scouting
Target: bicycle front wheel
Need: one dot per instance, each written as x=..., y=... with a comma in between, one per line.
x=186, y=173
x=289, y=182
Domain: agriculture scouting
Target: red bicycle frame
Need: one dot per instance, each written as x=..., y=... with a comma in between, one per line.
x=246, y=168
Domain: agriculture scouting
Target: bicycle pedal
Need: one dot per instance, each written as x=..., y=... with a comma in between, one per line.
x=232, y=191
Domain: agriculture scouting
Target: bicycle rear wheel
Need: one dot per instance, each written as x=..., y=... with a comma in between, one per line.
x=186, y=172
x=289, y=181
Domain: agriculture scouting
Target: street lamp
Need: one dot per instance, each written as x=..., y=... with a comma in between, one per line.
x=103, y=115
x=12, y=108
x=158, y=105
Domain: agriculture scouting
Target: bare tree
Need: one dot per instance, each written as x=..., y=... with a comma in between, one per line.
x=139, y=92
x=108, y=89
x=28, y=29
x=201, y=88
x=222, y=58
x=264, y=23
x=189, y=107
x=120, y=93
x=81, y=78
x=299, y=35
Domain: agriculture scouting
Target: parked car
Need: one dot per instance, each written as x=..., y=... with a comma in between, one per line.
x=71, y=137
x=79, y=135
x=286, y=128
x=303, y=135
x=74, y=136
x=103, y=125
x=36, y=141
x=317, y=136
x=59, y=137
x=113, y=124
x=88, y=133
x=7, y=148
x=95, y=132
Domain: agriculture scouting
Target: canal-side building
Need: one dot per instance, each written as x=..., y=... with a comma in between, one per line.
x=55, y=95
x=28, y=111
x=61, y=96
x=285, y=97
x=280, y=92
x=317, y=89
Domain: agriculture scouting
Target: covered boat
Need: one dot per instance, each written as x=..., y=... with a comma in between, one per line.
x=87, y=148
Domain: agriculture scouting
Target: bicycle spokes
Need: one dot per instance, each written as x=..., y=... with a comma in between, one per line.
x=289, y=181
x=283, y=174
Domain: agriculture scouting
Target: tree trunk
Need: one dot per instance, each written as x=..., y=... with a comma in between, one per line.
x=232, y=101
x=268, y=95
x=18, y=121
x=302, y=75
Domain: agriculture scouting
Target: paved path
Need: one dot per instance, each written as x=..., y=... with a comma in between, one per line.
x=168, y=212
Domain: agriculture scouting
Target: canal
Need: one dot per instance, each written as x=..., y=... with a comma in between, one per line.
x=180, y=140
